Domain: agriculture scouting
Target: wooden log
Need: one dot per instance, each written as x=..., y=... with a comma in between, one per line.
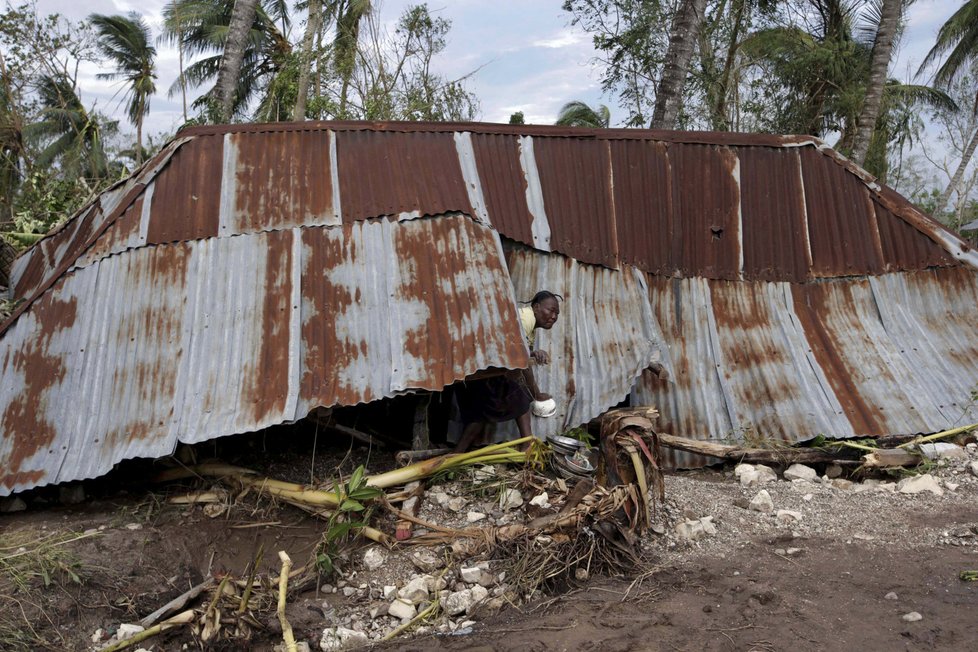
x=751, y=455
x=176, y=603
x=890, y=458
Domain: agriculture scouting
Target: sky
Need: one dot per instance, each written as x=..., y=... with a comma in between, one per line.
x=525, y=54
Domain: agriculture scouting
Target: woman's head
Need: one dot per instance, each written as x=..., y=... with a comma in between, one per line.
x=546, y=308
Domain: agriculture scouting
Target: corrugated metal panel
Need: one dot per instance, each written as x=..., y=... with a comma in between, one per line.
x=186, y=202
x=893, y=354
x=394, y=173
x=903, y=246
x=575, y=177
x=842, y=227
x=196, y=340
x=706, y=201
x=277, y=181
x=643, y=204
x=503, y=185
x=605, y=336
x=774, y=221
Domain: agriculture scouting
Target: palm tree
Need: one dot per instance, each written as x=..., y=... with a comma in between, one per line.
x=69, y=135
x=313, y=27
x=958, y=38
x=239, y=27
x=579, y=114
x=682, y=40
x=126, y=41
x=204, y=26
x=890, y=13
x=172, y=34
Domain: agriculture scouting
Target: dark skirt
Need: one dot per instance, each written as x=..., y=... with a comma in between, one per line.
x=494, y=399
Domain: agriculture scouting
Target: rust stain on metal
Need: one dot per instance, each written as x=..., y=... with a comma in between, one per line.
x=281, y=180
x=840, y=231
x=187, y=197
x=773, y=209
x=643, y=204
x=269, y=392
x=904, y=248
x=706, y=202
x=810, y=302
x=25, y=421
x=575, y=176
x=394, y=173
x=503, y=184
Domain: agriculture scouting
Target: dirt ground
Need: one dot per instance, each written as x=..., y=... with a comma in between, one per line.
x=842, y=577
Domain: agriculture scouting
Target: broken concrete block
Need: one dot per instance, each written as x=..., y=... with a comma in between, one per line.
x=762, y=502
x=374, y=558
x=920, y=483
x=402, y=609
x=800, y=472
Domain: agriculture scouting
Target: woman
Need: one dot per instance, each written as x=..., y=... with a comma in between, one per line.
x=488, y=401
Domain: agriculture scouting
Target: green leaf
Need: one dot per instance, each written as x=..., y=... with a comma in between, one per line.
x=366, y=493
x=356, y=480
x=338, y=531
x=350, y=505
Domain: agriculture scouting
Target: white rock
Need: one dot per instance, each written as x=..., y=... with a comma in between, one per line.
x=434, y=584
x=541, y=500
x=694, y=530
x=485, y=472
x=762, y=502
x=912, y=617
x=440, y=498
x=300, y=646
x=973, y=467
x=474, y=517
x=510, y=499
x=788, y=516
x=457, y=602
x=134, y=526
x=97, y=636
x=470, y=575
x=800, y=472
x=415, y=591
x=127, y=631
x=740, y=469
x=456, y=504
x=951, y=486
x=374, y=558
x=402, y=609
x=342, y=638
x=891, y=596
x=943, y=450
x=842, y=483
x=807, y=497
x=919, y=483
x=426, y=561
x=765, y=474
x=389, y=592
x=479, y=593
x=748, y=477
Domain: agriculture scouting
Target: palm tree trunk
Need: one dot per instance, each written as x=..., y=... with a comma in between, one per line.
x=890, y=14
x=242, y=17
x=312, y=29
x=685, y=31
x=139, y=141
x=183, y=82
x=969, y=151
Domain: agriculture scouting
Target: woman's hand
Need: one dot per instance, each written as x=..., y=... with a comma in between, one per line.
x=540, y=357
x=542, y=396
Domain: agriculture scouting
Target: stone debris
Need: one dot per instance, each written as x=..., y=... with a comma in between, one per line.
x=912, y=617
x=800, y=472
x=920, y=483
x=402, y=609
x=694, y=530
x=891, y=596
x=474, y=517
x=374, y=558
x=788, y=516
x=510, y=499
x=762, y=502
x=127, y=631
x=541, y=500
x=973, y=467
x=458, y=602
x=427, y=561
x=415, y=591
x=342, y=638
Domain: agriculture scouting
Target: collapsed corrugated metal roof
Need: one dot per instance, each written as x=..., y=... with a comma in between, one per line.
x=250, y=273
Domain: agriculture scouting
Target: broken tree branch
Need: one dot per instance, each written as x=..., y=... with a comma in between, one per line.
x=283, y=584
x=752, y=455
x=176, y=603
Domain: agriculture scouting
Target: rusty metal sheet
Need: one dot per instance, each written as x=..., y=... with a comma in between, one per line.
x=575, y=180
x=706, y=202
x=605, y=336
x=775, y=226
x=186, y=201
x=643, y=204
x=842, y=229
x=503, y=185
x=196, y=340
x=904, y=248
x=277, y=181
x=399, y=173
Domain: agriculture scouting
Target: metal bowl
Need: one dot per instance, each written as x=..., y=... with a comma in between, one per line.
x=565, y=445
